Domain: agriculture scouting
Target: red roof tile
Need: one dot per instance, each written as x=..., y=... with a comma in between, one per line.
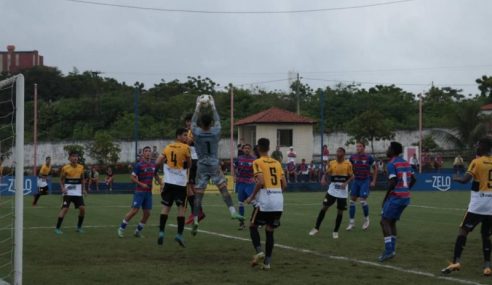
x=486, y=107
x=275, y=116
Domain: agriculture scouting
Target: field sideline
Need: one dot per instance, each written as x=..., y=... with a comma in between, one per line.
x=220, y=254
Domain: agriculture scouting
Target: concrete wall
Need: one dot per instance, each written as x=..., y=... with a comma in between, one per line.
x=304, y=145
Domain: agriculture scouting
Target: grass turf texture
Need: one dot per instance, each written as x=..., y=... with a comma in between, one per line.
x=426, y=238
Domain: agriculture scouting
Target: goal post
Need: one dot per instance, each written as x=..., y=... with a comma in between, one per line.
x=18, y=81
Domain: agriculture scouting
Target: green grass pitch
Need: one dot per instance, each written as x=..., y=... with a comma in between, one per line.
x=220, y=254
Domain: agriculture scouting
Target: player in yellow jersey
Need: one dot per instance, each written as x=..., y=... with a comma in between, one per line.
x=43, y=175
x=72, y=188
x=338, y=174
x=177, y=159
x=268, y=200
x=479, y=208
x=192, y=173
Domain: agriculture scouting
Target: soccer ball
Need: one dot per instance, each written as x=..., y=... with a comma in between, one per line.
x=204, y=100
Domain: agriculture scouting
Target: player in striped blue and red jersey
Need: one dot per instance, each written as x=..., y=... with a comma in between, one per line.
x=245, y=182
x=401, y=180
x=361, y=164
x=142, y=175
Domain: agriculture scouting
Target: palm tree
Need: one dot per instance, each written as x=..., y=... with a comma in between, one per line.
x=469, y=126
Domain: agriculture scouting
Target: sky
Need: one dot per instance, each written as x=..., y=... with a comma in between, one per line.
x=411, y=44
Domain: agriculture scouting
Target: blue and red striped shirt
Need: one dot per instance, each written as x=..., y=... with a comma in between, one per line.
x=361, y=164
x=401, y=169
x=144, y=170
x=244, y=169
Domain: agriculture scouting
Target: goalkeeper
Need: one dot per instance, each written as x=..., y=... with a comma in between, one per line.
x=207, y=138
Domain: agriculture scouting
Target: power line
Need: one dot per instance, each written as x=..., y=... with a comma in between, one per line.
x=238, y=12
x=388, y=83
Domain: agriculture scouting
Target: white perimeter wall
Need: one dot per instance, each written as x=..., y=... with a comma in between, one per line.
x=333, y=140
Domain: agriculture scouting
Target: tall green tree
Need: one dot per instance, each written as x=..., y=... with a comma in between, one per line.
x=370, y=126
x=103, y=149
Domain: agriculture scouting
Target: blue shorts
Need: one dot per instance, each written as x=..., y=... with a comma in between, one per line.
x=393, y=207
x=142, y=200
x=360, y=188
x=244, y=190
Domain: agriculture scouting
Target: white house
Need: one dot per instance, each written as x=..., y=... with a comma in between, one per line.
x=282, y=128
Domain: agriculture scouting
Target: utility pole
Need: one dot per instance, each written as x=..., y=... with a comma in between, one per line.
x=35, y=135
x=297, y=95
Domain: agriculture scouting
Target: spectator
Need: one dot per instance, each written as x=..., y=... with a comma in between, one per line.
x=109, y=178
x=93, y=178
x=277, y=155
x=414, y=162
x=291, y=155
x=458, y=165
x=291, y=172
x=240, y=147
x=313, y=172
x=438, y=162
x=303, y=171
x=325, y=154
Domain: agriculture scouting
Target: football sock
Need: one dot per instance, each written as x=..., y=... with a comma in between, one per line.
x=388, y=246
x=124, y=223
x=140, y=226
x=241, y=208
x=393, y=242
x=227, y=197
x=352, y=210
x=80, y=222
x=268, y=246
x=365, y=208
x=320, y=218
x=59, y=222
x=486, y=248
x=338, y=221
x=197, y=204
x=162, y=222
x=255, y=238
x=181, y=224
x=458, y=247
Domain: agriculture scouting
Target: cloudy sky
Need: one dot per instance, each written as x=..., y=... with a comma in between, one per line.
x=408, y=43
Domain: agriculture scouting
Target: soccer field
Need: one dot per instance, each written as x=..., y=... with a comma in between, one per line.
x=220, y=253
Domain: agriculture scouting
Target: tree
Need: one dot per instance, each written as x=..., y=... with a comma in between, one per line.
x=485, y=87
x=103, y=149
x=468, y=126
x=76, y=148
x=368, y=127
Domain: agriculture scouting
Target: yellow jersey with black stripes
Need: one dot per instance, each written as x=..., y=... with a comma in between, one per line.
x=481, y=170
x=45, y=170
x=73, y=175
x=270, y=198
x=339, y=173
x=175, y=170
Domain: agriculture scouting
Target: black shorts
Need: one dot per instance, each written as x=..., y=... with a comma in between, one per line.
x=76, y=200
x=43, y=190
x=471, y=220
x=260, y=218
x=192, y=174
x=330, y=200
x=173, y=193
